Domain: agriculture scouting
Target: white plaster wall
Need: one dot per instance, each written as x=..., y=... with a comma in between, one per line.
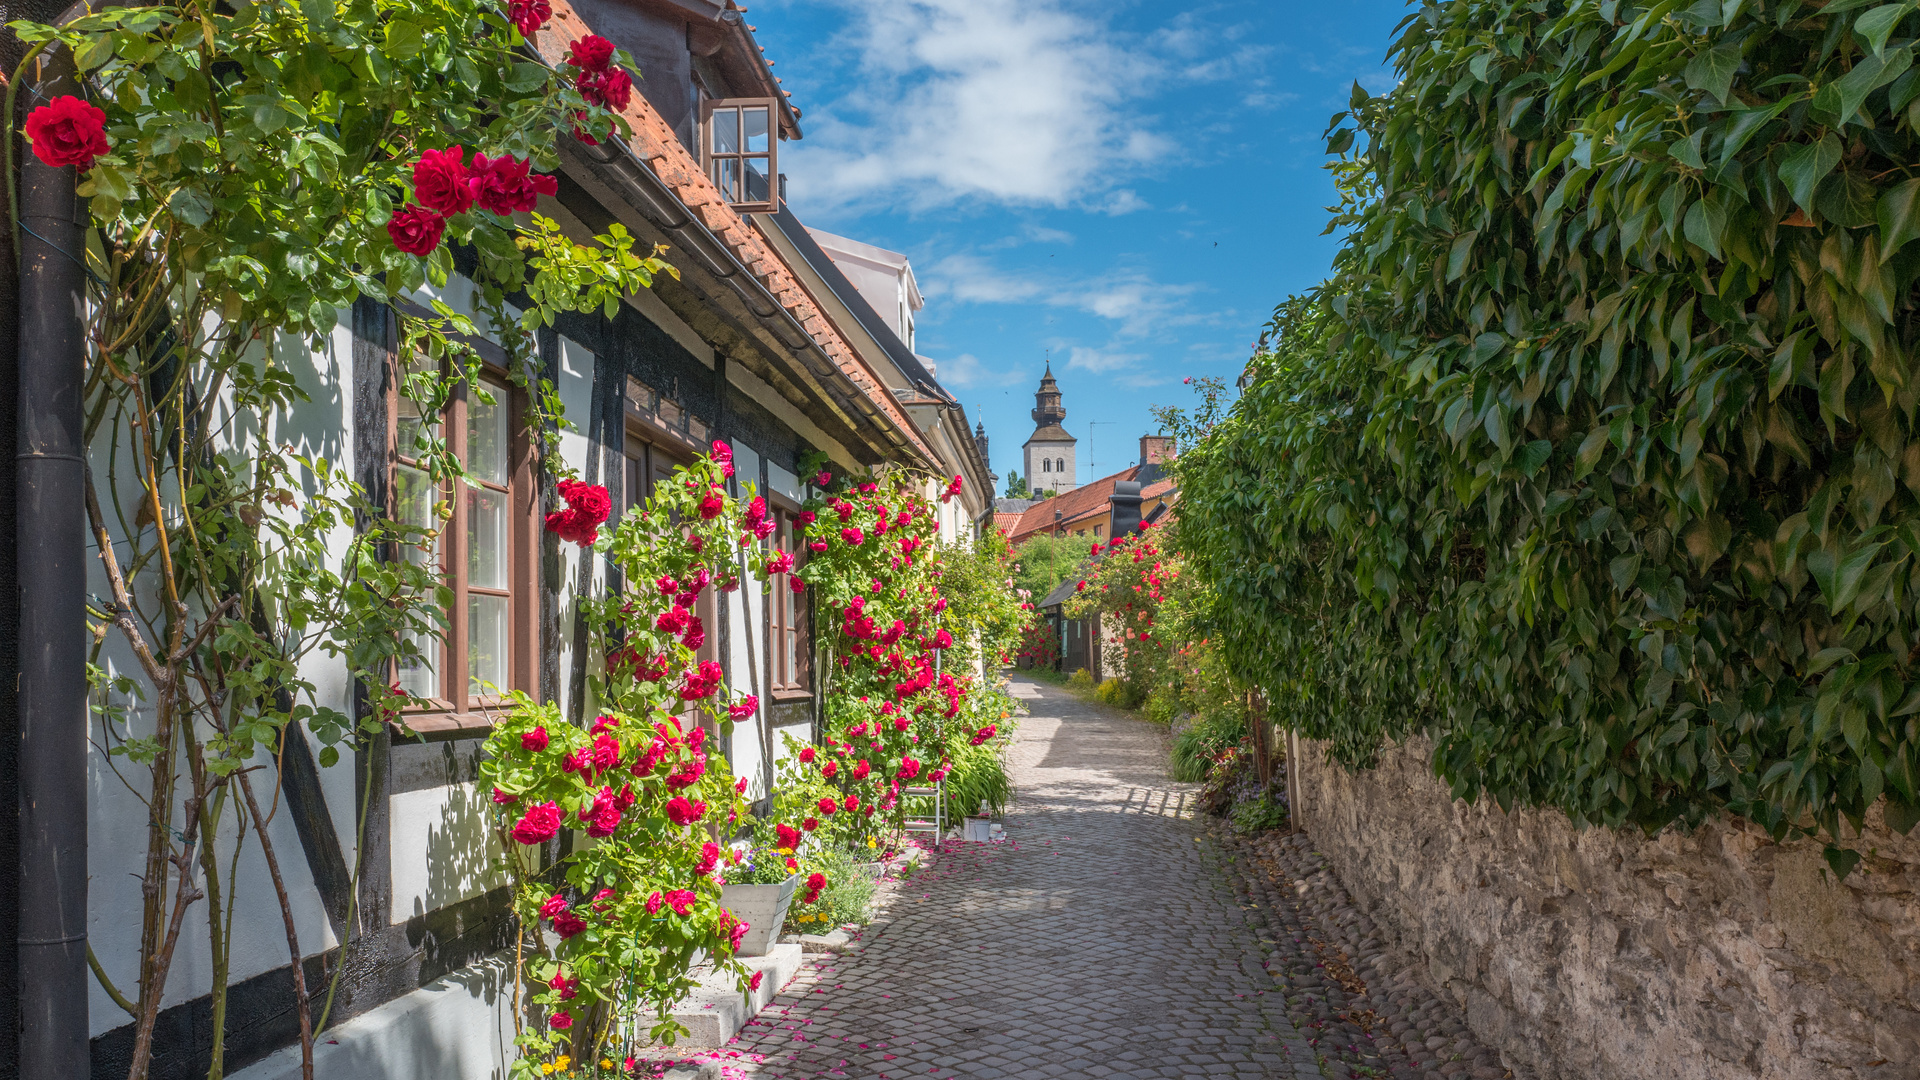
x=746, y=644
x=443, y=849
x=456, y=1028
x=117, y=834
x=575, y=387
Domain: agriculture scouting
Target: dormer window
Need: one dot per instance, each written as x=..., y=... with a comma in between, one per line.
x=742, y=153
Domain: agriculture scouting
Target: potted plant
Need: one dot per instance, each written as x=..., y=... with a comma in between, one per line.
x=759, y=889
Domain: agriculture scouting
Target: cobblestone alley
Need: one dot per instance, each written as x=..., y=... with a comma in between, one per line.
x=1099, y=940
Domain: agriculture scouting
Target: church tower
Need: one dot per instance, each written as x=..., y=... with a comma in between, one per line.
x=1049, y=450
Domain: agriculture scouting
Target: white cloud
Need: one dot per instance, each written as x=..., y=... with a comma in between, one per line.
x=967, y=370
x=1136, y=302
x=1021, y=102
x=1124, y=201
x=1102, y=361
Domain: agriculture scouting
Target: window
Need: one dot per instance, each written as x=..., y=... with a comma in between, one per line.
x=1060, y=465
x=1045, y=465
x=789, y=646
x=484, y=552
x=1096, y=532
x=741, y=151
x=649, y=465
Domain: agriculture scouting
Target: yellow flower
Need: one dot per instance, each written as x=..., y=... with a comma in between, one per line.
x=606, y=1063
x=562, y=1061
x=870, y=842
x=547, y=1069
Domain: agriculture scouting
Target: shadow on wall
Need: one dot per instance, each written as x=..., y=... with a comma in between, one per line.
x=459, y=1027
x=1605, y=955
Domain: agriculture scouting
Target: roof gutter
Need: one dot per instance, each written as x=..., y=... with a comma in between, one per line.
x=621, y=169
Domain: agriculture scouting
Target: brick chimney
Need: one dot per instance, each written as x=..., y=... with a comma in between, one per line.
x=1155, y=449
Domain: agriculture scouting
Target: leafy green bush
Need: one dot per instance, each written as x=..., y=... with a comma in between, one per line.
x=1596, y=459
x=979, y=773
x=1258, y=815
x=1081, y=680
x=848, y=897
x=1111, y=692
x=1197, y=746
x=1163, y=705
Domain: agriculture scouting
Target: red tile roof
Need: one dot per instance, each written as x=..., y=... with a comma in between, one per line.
x=1077, y=505
x=655, y=143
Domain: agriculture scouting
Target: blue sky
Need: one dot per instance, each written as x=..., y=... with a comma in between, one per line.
x=1129, y=187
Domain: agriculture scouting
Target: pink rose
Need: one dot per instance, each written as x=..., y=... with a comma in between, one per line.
x=554, y=907
x=681, y=811
x=503, y=798
x=853, y=536
x=682, y=901
x=709, y=858
x=654, y=903
x=560, y=1021
x=744, y=709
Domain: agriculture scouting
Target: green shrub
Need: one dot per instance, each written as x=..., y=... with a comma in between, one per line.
x=1198, y=745
x=1081, y=679
x=848, y=898
x=1163, y=705
x=1111, y=692
x=1258, y=815
x=979, y=773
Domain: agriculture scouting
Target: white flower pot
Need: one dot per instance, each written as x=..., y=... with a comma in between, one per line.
x=979, y=830
x=765, y=909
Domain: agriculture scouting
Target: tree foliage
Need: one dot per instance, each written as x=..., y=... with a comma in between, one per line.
x=1596, y=457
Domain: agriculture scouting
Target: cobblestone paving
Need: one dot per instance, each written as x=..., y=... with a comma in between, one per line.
x=1100, y=941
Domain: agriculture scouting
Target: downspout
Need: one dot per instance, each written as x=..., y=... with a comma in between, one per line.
x=51, y=545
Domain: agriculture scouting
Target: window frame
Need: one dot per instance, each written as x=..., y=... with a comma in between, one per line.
x=789, y=671
x=455, y=707
x=709, y=158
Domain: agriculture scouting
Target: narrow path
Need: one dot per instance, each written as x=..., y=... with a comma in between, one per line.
x=1098, y=941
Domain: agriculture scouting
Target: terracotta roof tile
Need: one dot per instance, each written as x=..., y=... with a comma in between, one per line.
x=1075, y=505
x=655, y=143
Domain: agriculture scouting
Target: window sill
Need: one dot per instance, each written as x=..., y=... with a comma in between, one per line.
x=785, y=697
x=443, y=726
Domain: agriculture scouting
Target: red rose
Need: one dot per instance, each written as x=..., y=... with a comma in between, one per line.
x=590, y=53
x=572, y=526
x=806, y=755
x=564, y=986
x=687, y=775
x=823, y=479
x=683, y=812
x=539, y=824
x=747, y=707
x=952, y=490
x=682, y=901
x=501, y=185
x=754, y=983
x=590, y=501
x=810, y=824
x=606, y=752
x=568, y=925
x=827, y=806
x=672, y=621
x=807, y=517
x=853, y=536
x=68, y=131
x=789, y=836
x=529, y=15
x=534, y=741
x=711, y=506
x=654, y=903
x=860, y=771
x=816, y=881
x=416, y=230
x=797, y=584
x=909, y=768
x=983, y=734
x=440, y=181
x=554, y=907
x=709, y=858
x=828, y=770
x=853, y=802
x=612, y=88
x=560, y=1021
x=504, y=798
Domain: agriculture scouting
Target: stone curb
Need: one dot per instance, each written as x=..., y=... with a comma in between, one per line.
x=1361, y=1003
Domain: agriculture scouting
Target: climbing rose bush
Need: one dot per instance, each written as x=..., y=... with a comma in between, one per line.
x=643, y=786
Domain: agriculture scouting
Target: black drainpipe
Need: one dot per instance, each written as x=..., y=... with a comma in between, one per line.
x=50, y=538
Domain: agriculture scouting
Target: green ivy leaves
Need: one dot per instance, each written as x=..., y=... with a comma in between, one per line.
x=1616, y=371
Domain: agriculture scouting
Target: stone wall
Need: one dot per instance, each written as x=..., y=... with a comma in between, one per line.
x=1603, y=955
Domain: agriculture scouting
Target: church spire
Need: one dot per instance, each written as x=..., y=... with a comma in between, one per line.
x=1047, y=410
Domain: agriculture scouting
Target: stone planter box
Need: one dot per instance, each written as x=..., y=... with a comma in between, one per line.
x=765, y=909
